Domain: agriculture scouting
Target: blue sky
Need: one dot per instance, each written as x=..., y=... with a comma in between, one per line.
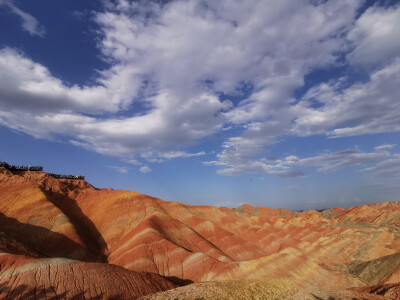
x=289, y=104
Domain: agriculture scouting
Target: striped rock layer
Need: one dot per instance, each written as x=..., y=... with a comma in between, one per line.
x=64, y=238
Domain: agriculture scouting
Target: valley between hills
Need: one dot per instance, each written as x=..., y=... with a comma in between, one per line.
x=65, y=239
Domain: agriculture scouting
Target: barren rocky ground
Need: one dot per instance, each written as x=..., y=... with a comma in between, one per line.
x=63, y=239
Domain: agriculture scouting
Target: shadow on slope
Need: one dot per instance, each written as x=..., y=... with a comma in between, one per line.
x=374, y=271
x=84, y=227
x=22, y=291
x=37, y=241
x=390, y=291
x=55, y=278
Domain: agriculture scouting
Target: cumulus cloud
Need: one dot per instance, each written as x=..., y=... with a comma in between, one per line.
x=35, y=102
x=375, y=37
x=145, y=169
x=268, y=113
x=29, y=23
x=370, y=107
x=175, y=59
x=29, y=86
x=343, y=109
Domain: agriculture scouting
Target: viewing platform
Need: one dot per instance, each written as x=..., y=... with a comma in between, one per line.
x=12, y=168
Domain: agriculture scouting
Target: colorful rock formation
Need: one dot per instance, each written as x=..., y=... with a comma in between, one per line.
x=64, y=237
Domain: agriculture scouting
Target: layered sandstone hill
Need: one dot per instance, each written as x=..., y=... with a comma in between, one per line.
x=65, y=238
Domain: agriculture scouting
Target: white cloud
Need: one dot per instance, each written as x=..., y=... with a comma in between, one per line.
x=167, y=155
x=123, y=170
x=176, y=58
x=27, y=86
x=29, y=23
x=175, y=51
x=331, y=162
x=175, y=154
x=133, y=162
x=145, y=169
x=35, y=102
x=268, y=113
x=386, y=168
x=375, y=37
x=384, y=147
x=234, y=164
x=370, y=107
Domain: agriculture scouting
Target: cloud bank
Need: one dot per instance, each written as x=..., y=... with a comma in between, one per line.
x=185, y=64
x=288, y=167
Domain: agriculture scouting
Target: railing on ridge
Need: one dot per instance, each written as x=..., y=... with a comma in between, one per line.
x=38, y=168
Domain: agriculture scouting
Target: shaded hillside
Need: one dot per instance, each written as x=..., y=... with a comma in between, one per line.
x=62, y=278
x=374, y=271
x=64, y=224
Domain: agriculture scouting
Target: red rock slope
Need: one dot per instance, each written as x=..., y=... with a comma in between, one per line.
x=75, y=229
